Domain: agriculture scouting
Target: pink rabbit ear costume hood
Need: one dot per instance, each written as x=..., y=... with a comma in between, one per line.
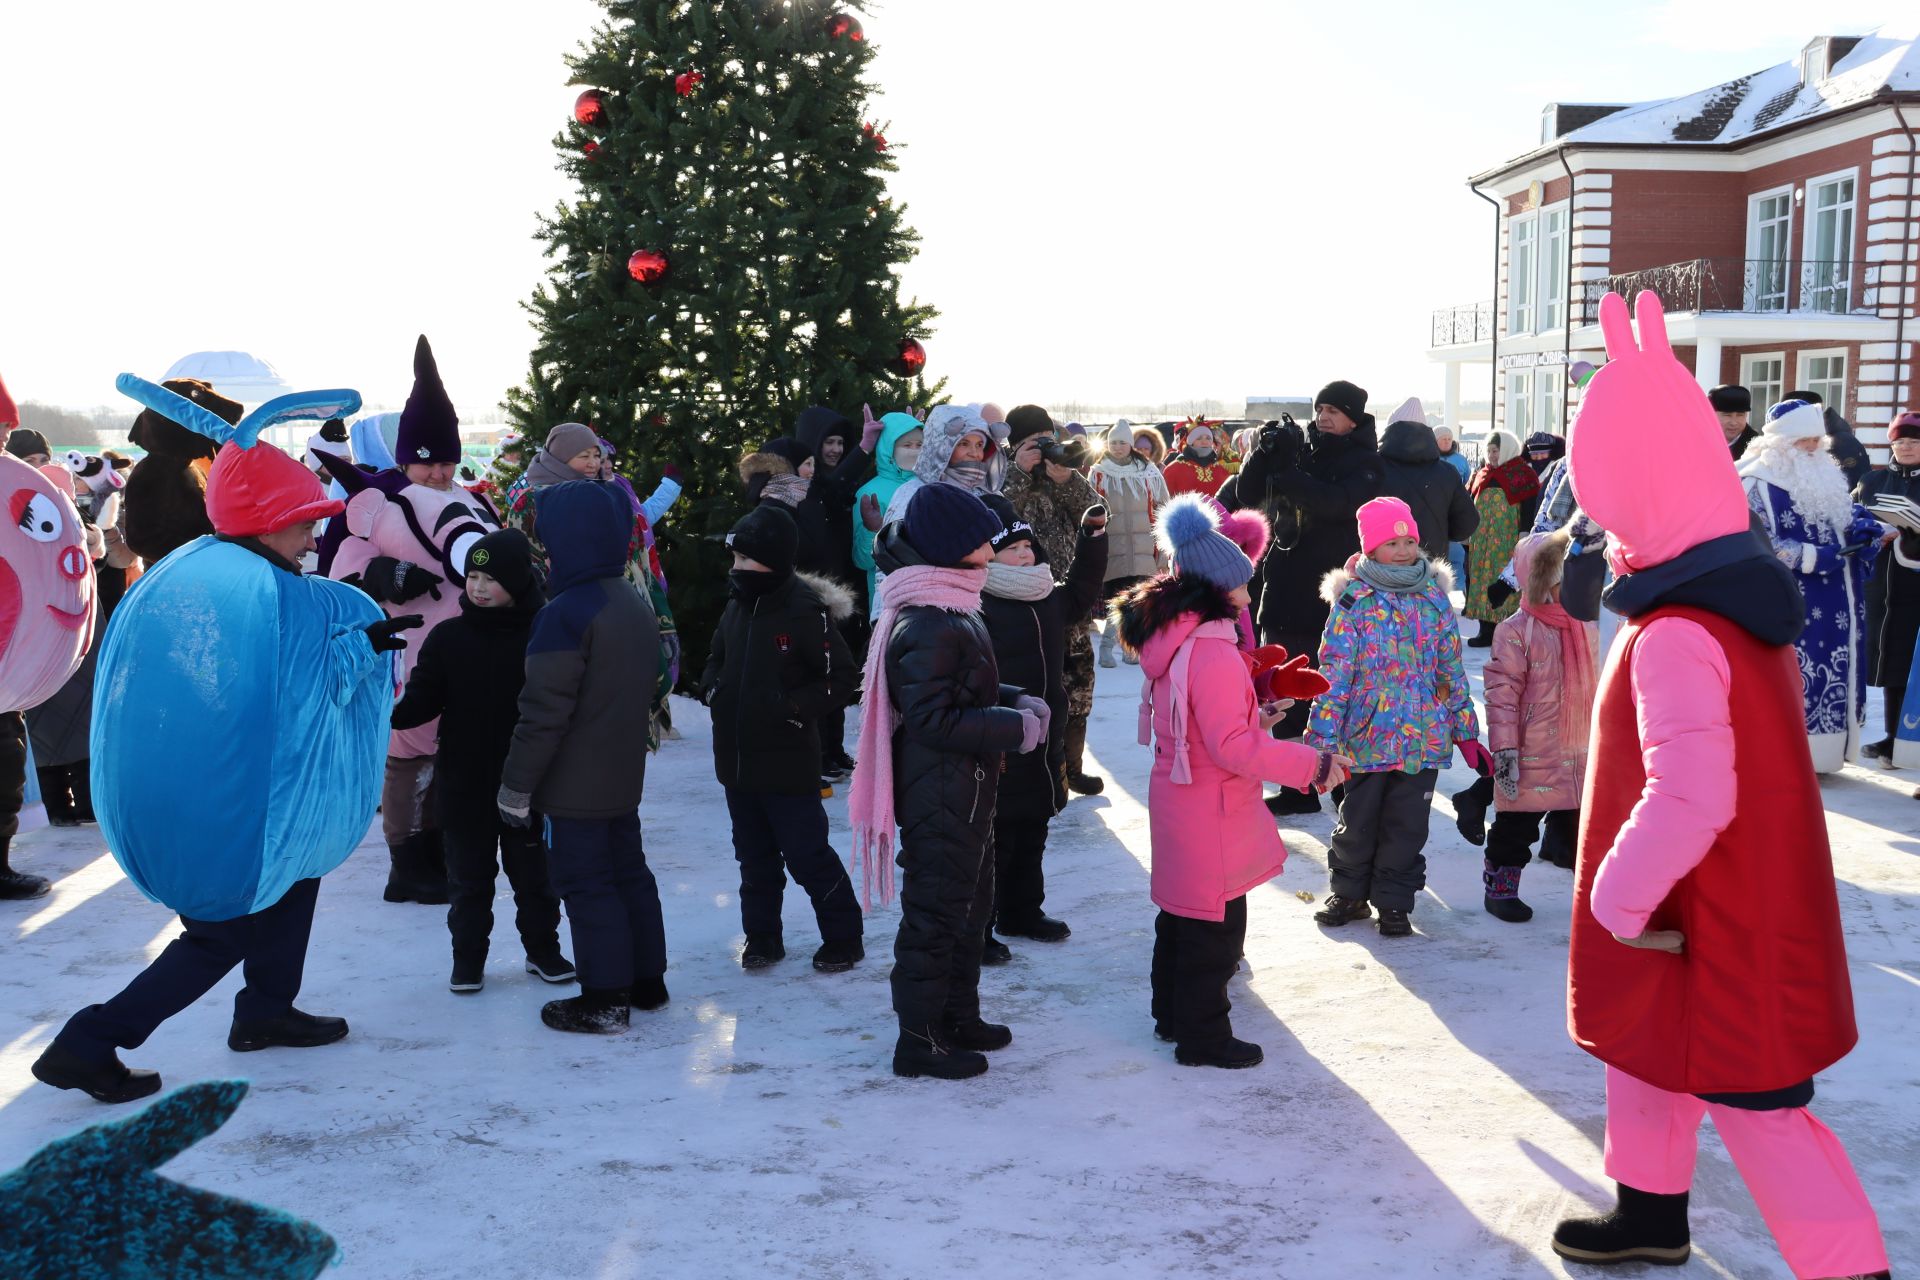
x=1648, y=460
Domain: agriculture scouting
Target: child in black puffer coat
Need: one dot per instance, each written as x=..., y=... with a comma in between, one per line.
x=935, y=721
x=1029, y=617
x=777, y=671
x=470, y=672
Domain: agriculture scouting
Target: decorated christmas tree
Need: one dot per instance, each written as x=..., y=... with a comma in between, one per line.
x=731, y=258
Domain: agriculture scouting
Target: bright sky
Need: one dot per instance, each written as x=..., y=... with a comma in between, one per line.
x=1120, y=201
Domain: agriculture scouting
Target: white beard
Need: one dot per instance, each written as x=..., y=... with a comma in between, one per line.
x=1813, y=480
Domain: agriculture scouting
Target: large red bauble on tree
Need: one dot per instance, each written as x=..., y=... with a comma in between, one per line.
x=648, y=266
x=912, y=358
x=877, y=138
x=686, y=82
x=590, y=109
x=844, y=26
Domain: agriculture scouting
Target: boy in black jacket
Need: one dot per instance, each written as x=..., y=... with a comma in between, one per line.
x=1029, y=616
x=470, y=672
x=778, y=667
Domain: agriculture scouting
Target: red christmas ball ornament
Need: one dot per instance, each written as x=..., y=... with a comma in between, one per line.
x=648, y=266
x=686, y=82
x=589, y=149
x=911, y=360
x=878, y=138
x=844, y=26
x=590, y=109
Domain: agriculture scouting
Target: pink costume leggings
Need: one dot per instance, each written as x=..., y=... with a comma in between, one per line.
x=1795, y=1168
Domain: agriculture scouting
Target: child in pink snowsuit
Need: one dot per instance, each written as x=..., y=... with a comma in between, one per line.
x=1540, y=677
x=1708, y=965
x=1213, y=840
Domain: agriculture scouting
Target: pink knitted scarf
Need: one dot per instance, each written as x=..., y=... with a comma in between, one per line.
x=870, y=804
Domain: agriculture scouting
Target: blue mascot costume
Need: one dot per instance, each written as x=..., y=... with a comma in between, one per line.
x=278, y=687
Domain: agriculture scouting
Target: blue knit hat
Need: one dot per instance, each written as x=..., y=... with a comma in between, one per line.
x=1188, y=532
x=945, y=523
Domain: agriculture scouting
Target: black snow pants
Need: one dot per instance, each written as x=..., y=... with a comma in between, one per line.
x=1376, y=854
x=777, y=835
x=476, y=852
x=1193, y=960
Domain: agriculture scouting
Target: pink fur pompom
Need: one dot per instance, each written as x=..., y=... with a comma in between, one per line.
x=1248, y=529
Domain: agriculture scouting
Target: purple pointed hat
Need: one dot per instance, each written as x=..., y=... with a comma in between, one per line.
x=429, y=429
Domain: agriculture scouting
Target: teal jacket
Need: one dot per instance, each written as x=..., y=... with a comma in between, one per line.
x=891, y=475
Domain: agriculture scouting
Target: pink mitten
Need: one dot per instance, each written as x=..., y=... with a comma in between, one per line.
x=1478, y=758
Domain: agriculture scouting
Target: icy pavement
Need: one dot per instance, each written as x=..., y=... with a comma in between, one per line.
x=1420, y=1112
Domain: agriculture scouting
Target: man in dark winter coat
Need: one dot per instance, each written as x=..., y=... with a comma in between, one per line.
x=470, y=673
x=1412, y=470
x=1050, y=498
x=1841, y=442
x=1310, y=497
x=1030, y=615
x=778, y=668
x=955, y=721
x=1893, y=592
x=165, y=502
x=1733, y=405
x=579, y=755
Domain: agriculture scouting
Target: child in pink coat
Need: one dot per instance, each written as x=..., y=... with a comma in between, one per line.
x=1540, y=680
x=1213, y=840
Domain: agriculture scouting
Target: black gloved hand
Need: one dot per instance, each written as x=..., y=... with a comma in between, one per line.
x=385, y=634
x=391, y=581
x=1498, y=592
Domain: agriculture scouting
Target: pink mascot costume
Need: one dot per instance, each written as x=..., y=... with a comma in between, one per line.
x=1708, y=969
x=408, y=532
x=46, y=628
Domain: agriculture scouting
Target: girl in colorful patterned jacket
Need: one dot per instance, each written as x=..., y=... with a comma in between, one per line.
x=1540, y=681
x=1399, y=704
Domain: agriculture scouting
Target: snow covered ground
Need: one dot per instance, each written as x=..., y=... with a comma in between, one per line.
x=1420, y=1112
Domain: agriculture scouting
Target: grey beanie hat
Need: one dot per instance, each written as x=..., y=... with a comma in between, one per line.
x=1188, y=531
x=570, y=438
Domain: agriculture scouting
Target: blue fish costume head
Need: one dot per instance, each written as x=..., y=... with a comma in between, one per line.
x=262, y=682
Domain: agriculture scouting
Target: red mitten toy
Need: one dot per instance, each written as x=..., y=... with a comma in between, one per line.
x=1276, y=676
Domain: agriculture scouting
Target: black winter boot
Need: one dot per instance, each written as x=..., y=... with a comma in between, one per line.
x=1484, y=639
x=551, y=967
x=839, y=955
x=18, y=886
x=762, y=951
x=649, y=994
x=599, y=1013
x=418, y=871
x=469, y=975
x=1039, y=929
x=1077, y=779
x=55, y=795
x=291, y=1030
x=1503, y=894
x=927, y=1053
x=1338, y=911
x=1394, y=923
x=1231, y=1054
x=996, y=952
x=979, y=1035
x=1643, y=1228
x=109, y=1081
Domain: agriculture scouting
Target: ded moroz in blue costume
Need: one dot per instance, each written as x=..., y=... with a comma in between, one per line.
x=278, y=687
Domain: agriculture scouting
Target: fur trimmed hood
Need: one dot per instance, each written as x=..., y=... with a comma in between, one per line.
x=761, y=463
x=1338, y=580
x=1159, y=603
x=837, y=599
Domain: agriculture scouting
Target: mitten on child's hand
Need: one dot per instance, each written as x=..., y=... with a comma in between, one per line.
x=385, y=636
x=1293, y=680
x=1039, y=707
x=869, y=429
x=1033, y=730
x=516, y=807
x=1478, y=758
x=870, y=512
x=1506, y=772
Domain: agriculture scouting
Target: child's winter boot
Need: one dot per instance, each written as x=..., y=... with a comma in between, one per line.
x=591, y=1012
x=979, y=1035
x=927, y=1053
x=1643, y=1228
x=1503, y=894
x=1338, y=911
x=1394, y=923
x=16, y=886
x=763, y=950
x=1231, y=1054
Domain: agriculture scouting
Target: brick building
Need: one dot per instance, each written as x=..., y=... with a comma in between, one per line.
x=1777, y=216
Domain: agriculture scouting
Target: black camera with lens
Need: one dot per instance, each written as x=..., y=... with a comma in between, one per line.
x=1065, y=453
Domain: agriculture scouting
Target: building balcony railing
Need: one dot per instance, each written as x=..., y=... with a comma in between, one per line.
x=1458, y=326
x=1751, y=285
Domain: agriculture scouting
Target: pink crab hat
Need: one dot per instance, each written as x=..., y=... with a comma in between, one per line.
x=1384, y=519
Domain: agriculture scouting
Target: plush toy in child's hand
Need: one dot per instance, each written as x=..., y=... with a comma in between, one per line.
x=1276, y=676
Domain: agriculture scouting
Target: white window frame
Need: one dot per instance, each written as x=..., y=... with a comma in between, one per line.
x=1752, y=301
x=1762, y=402
x=1807, y=267
x=1518, y=324
x=1519, y=406
x=1549, y=390
x=1803, y=380
x=1551, y=268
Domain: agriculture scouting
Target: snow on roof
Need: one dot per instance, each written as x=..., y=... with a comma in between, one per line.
x=1887, y=60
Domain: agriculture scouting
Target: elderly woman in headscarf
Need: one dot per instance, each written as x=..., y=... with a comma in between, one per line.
x=1502, y=490
x=1134, y=491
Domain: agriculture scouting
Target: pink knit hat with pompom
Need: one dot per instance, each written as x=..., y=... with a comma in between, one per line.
x=1384, y=519
x=1249, y=532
